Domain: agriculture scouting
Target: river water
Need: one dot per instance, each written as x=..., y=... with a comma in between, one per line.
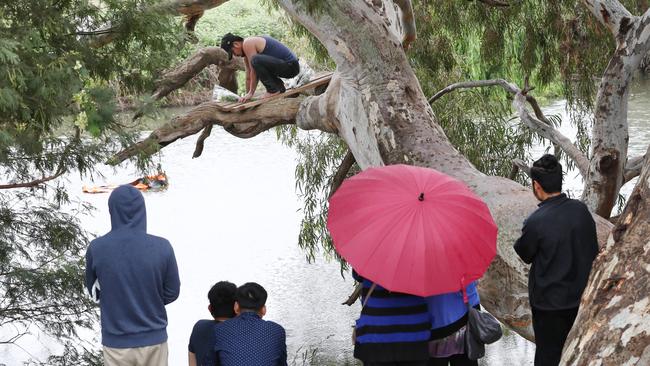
x=233, y=214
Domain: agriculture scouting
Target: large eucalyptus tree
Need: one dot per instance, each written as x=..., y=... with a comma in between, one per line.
x=375, y=104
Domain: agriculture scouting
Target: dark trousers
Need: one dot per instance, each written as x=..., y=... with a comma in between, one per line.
x=409, y=363
x=551, y=329
x=270, y=69
x=454, y=360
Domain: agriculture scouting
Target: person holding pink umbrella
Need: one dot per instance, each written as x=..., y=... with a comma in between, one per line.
x=393, y=328
x=409, y=230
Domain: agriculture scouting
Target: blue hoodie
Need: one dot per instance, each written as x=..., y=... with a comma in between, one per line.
x=137, y=274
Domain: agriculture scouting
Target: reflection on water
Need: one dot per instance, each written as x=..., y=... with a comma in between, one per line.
x=233, y=215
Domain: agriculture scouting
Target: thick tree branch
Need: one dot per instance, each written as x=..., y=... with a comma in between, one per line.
x=611, y=13
x=541, y=125
x=408, y=22
x=184, y=72
x=181, y=74
x=241, y=124
x=610, y=135
x=614, y=318
x=342, y=172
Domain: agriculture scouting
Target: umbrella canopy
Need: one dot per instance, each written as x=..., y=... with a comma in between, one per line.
x=412, y=230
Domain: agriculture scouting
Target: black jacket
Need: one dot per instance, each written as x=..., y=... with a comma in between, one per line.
x=560, y=241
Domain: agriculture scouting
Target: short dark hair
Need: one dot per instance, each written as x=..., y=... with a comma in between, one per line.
x=251, y=296
x=547, y=171
x=222, y=299
x=226, y=42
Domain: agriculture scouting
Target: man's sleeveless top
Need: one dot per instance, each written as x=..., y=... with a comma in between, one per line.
x=276, y=49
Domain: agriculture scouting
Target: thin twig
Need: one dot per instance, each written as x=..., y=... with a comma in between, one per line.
x=33, y=183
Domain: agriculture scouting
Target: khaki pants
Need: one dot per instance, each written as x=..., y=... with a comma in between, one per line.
x=155, y=355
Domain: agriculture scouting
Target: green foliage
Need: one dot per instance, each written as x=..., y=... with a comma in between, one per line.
x=557, y=44
x=320, y=155
x=242, y=17
x=57, y=116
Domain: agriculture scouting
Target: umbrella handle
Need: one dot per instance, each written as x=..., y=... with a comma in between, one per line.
x=463, y=288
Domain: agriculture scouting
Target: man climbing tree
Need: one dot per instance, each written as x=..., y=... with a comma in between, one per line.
x=266, y=60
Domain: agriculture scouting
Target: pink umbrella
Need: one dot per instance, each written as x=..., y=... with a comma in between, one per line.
x=412, y=230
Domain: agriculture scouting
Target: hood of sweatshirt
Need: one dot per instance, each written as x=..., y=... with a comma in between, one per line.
x=127, y=209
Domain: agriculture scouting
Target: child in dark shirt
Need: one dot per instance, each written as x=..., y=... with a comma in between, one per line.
x=201, y=347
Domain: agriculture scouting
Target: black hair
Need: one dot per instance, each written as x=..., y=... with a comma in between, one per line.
x=547, y=171
x=227, y=40
x=251, y=296
x=222, y=299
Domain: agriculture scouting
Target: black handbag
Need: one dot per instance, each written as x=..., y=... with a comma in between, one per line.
x=482, y=329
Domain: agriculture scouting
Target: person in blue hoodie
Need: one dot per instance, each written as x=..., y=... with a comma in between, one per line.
x=448, y=314
x=137, y=275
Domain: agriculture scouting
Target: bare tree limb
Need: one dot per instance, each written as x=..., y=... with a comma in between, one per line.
x=509, y=87
x=184, y=72
x=541, y=125
x=198, y=150
x=342, y=172
x=521, y=165
x=354, y=295
x=33, y=183
x=181, y=74
x=408, y=22
x=550, y=133
x=633, y=168
x=244, y=124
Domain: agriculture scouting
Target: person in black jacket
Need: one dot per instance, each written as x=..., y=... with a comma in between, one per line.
x=559, y=239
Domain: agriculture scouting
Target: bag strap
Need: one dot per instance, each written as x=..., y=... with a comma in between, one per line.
x=365, y=301
x=463, y=289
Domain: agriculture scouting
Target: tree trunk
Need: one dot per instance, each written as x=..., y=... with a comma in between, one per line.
x=613, y=325
x=610, y=130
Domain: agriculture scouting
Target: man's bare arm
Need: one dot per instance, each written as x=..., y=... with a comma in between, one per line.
x=250, y=50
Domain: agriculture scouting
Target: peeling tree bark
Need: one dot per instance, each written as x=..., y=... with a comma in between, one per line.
x=244, y=125
x=610, y=131
x=613, y=325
